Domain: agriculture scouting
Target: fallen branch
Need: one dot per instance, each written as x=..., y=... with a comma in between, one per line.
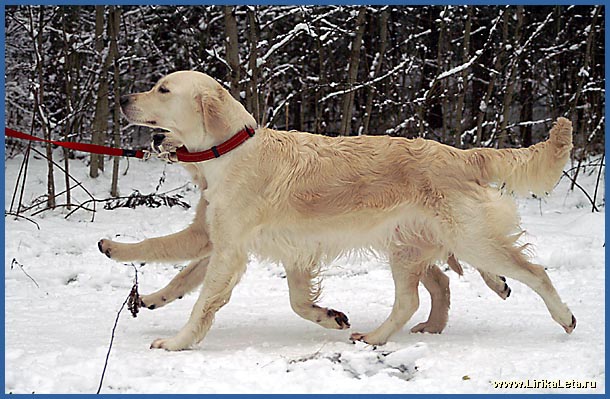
x=78, y=184
x=21, y=216
x=14, y=262
x=128, y=301
x=599, y=173
x=594, y=209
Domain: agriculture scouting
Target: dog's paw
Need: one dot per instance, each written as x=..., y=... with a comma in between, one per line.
x=329, y=318
x=105, y=247
x=115, y=250
x=430, y=327
x=340, y=319
x=169, y=344
x=505, y=292
x=154, y=301
x=570, y=327
x=366, y=338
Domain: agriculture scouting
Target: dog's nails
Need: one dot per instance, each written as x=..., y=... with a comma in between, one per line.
x=151, y=307
x=99, y=246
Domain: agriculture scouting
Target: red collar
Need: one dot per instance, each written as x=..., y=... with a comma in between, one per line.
x=216, y=151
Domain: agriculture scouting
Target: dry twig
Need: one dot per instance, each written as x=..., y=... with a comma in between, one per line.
x=129, y=301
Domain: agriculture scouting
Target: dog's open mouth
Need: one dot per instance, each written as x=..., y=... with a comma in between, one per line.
x=158, y=142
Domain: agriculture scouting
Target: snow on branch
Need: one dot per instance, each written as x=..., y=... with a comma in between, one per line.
x=296, y=31
x=378, y=79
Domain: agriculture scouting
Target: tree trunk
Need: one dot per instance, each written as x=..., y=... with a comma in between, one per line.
x=44, y=122
x=232, y=50
x=444, y=112
x=579, y=87
x=370, y=91
x=320, y=120
x=352, y=74
x=429, y=110
x=526, y=99
x=463, y=86
x=252, y=97
x=492, y=79
x=503, y=135
x=114, y=25
x=69, y=84
x=100, y=119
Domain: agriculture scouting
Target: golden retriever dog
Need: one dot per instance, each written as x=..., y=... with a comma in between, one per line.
x=302, y=200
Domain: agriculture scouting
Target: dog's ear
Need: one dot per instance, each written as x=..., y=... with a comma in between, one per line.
x=213, y=108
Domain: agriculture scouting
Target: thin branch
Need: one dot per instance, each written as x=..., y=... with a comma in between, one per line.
x=599, y=173
x=594, y=209
x=14, y=262
x=21, y=216
x=133, y=293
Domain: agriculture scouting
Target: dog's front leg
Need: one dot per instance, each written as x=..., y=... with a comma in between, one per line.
x=224, y=271
x=190, y=243
x=184, y=282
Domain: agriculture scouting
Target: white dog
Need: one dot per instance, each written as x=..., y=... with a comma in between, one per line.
x=303, y=200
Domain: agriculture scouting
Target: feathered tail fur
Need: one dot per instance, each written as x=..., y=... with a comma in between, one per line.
x=533, y=169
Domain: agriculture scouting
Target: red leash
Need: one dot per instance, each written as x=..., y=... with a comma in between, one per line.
x=182, y=154
x=93, y=148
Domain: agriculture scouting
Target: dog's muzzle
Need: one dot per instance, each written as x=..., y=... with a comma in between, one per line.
x=158, y=139
x=166, y=154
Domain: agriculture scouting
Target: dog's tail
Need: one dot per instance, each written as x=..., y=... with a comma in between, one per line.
x=520, y=170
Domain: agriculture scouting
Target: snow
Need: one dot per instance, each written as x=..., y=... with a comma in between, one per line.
x=57, y=333
x=298, y=29
x=461, y=67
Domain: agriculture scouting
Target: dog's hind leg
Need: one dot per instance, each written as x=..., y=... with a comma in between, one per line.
x=437, y=284
x=496, y=283
x=501, y=256
x=184, y=282
x=408, y=266
x=304, y=290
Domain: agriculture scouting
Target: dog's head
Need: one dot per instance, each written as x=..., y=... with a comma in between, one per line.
x=196, y=110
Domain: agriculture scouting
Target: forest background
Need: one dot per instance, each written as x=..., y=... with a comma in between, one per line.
x=467, y=76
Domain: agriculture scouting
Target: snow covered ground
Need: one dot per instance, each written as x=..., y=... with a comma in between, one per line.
x=62, y=298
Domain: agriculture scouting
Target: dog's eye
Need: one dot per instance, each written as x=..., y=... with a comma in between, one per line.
x=163, y=89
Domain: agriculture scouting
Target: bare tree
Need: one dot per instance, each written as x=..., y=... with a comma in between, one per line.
x=40, y=100
x=100, y=119
x=377, y=65
x=579, y=87
x=232, y=49
x=443, y=71
x=352, y=74
x=463, y=79
x=510, y=79
x=69, y=67
x=483, y=105
x=252, y=96
x=114, y=25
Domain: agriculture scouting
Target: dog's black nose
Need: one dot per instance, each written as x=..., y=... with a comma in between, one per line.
x=158, y=139
x=124, y=101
